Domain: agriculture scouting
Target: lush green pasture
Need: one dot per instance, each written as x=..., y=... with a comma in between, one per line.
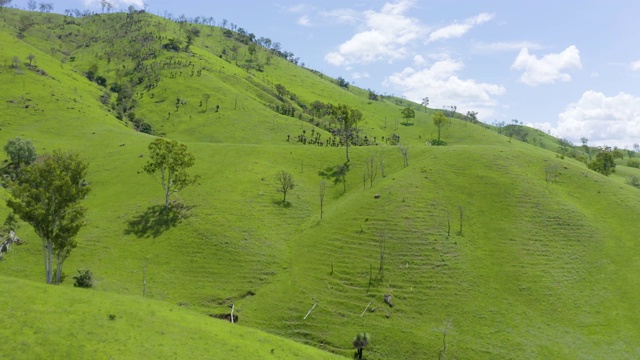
x=65, y=323
x=544, y=267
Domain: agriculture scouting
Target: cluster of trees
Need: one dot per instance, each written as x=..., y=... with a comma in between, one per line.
x=46, y=192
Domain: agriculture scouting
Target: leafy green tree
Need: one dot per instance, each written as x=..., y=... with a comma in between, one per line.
x=439, y=120
x=604, y=162
x=285, y=183
x=342, y=82
x=360, y=342
x=47, y=196
x=336, y=173
x=20, y=152
x=348, y=118
x=473, y=116
x=169, y=163
x=407, y=114
x=281, y=90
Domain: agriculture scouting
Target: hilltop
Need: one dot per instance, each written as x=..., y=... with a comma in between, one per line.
x=473, y=239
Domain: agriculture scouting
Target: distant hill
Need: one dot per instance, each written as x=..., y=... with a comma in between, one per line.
x=510, y=248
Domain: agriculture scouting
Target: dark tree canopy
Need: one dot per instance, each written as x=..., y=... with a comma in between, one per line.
x=20, y=152
x=604, y=163
x=408, y=113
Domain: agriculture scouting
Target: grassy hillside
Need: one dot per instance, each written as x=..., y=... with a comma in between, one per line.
x=98, y=324
x=544, y=266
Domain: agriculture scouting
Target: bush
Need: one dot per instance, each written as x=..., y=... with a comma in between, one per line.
x=633, y=181
x=84, y=279
x=633, y=163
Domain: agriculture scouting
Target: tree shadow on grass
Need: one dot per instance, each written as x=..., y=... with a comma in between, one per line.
x=156, y=220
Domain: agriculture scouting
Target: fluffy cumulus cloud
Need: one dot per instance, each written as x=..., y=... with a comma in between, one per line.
x=388, y=35
x=441, y=83
x=604, y=120
x=457, y=30
x=548, y=69
x=635, y=66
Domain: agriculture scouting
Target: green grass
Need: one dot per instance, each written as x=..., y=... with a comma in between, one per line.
x=541, y=270
x=101, y=325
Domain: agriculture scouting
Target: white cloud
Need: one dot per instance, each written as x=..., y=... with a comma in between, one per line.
x=358, y=75
x=388, y=36
x=459, y=29
x=635, y=66
x=304, y=21
x=419, y=60
x=505, y=46
x=342, y=16
x=613, y=121
x=442, y=85
x=548, y=69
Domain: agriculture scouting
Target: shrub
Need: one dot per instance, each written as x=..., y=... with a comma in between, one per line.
x=633, y=163
x=84, y=279
x=633, y=181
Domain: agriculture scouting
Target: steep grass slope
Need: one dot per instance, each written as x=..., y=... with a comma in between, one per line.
x=541, y=269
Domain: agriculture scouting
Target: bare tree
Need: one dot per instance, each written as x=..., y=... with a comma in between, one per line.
x=285, y=183
x=404, y=150
x=461, y=210
x=442, y=354
x=205, y=98
x=322, y=190
x=425, y=103
x=372, y=169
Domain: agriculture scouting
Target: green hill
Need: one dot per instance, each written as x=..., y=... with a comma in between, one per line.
x=543, y=267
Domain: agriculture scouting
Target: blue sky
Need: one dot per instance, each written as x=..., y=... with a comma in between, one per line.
x=570, y=67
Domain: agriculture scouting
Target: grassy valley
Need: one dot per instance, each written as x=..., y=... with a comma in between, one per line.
x=503, y=245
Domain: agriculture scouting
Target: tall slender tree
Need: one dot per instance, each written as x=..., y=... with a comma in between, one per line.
x=348, y=118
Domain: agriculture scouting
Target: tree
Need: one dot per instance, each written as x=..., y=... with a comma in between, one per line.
x=361, y=341
x=4, y=3
x=439, y=120
x=169, y=163
x=425, y=103
x=322, y=190
x=473, y=116
x=336, y=173
x=285, y=183
x=585, y=146
x=32, y=5
x=404, y=150
x=604, y=162
x=342, y=82
x=348, y=119
x=205, y=98
x=408, y=113
x=47, y=196
x=20, y=152
x=281, y=90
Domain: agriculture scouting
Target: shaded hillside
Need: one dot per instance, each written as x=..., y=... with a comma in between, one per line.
x=544, y=267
